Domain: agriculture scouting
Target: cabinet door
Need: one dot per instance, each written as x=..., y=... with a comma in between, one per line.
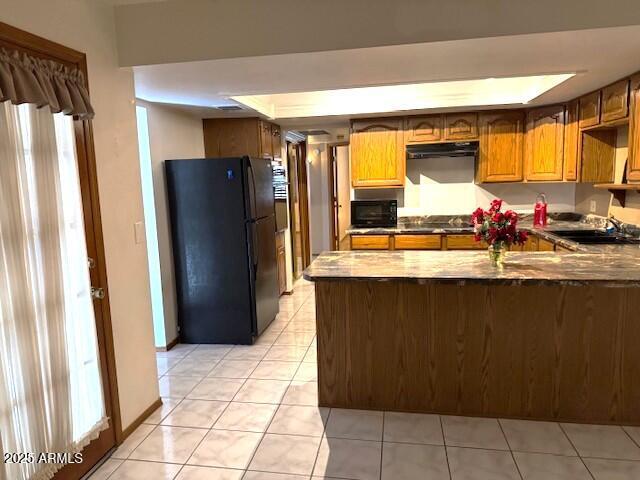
x=571, y=141
x=231, y=137
x=615, y=101
x=266, y=146
x=377, y=153
x=417, y=242
x=464, y=242
x=544, y=143
x=425, y=129
x=501, y=147
x=276, y=140
x=370, y=242
x=633, y=164
x=590, y=110
x=461, y=126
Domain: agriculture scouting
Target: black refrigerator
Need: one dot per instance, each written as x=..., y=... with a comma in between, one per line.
x=223, y=235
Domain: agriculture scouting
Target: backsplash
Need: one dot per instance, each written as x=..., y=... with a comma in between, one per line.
x=445, y=186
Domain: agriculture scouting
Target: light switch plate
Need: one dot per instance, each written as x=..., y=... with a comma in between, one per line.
x=138, y=229
x=592, y=206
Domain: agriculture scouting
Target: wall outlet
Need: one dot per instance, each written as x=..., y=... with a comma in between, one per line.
x=592, y=206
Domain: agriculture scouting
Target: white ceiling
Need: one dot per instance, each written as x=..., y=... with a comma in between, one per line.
x=598, y=57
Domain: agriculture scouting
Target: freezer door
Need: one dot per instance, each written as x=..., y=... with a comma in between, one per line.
x=262, y=237
x=260, y=188
x=209, y=237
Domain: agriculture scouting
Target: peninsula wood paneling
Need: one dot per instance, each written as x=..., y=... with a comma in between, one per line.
x=569, y=354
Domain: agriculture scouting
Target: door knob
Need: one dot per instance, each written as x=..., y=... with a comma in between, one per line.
x=97, y=293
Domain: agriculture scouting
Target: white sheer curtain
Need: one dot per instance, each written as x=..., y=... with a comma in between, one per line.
x=50, y=387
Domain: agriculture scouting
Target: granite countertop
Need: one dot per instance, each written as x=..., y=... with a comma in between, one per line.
x=618, y=266
x=610, y=265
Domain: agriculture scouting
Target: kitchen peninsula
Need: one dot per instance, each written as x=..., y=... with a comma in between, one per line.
x=549, y=337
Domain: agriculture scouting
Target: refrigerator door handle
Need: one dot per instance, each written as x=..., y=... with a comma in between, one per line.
x=253, y=243
x=252, y=200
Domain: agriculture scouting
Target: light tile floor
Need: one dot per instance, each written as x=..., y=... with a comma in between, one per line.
x=250, y=413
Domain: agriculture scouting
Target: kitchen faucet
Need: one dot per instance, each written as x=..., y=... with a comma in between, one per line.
x=617, y=224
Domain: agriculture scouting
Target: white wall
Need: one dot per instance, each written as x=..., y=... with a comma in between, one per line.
x=441, y=186
x=173, y=134
x=88, y=26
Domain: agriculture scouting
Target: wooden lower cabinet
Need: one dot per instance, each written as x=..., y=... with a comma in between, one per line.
x=418, y=242
x=435, y=241
x=546, y=245
x=370, y=242
x=281, y=261
x=463, y=242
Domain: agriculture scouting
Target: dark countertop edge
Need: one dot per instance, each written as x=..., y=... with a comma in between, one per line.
x=524, y=282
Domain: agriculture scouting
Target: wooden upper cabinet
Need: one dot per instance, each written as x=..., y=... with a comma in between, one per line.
x=276, y=140
x=590, y=110
x=377, y=153
x=544, y=143
x=231, y=137
x=633, y=163
x=501, y=147
x=615, y=101
x=461, y=126
x=571, y=141
x=266, y=140
x=425, y=129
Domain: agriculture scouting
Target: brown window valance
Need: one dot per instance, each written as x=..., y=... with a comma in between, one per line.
x=27, y=79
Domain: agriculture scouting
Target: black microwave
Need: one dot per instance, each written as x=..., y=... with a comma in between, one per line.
x=374, y=213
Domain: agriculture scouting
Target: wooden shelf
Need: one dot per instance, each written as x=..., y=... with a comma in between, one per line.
x=619, y=190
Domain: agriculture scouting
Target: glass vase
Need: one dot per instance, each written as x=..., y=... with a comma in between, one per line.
x=497, y=252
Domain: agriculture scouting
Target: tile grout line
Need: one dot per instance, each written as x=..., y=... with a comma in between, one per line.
x=510, y=449
x=576, y=449
x=384, y=418
x=263, y=434
x=217, y=362
x=444, y=442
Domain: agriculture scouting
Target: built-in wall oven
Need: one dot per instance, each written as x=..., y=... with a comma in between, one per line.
x=374, y=213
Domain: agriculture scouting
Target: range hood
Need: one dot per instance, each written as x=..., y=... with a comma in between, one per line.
x=453, y=149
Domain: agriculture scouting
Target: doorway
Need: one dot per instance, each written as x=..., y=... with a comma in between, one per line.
x=77, y=165
x=298, y=206
x=339, y=194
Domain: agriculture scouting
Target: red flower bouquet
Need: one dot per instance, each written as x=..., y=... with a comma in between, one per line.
x=498, y=229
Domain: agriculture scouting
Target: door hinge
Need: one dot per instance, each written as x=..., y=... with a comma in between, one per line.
x=97, y=293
